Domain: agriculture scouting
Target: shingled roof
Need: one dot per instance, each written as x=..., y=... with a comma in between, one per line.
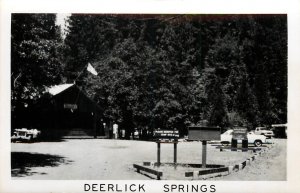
x=54, y=90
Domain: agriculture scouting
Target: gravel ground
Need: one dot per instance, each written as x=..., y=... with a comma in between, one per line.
x=95, y=159
x=270, y=166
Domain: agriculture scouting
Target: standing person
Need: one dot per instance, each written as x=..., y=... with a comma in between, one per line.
x=123, y=133
x=115, y=130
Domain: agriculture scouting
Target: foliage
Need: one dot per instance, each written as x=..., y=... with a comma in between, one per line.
x=174, y=71
x=166, y=71
x=35, y=57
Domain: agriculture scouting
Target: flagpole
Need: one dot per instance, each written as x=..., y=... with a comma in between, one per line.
x=81, y=72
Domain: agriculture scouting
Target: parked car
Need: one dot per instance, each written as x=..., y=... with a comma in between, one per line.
x=264, y=131
x=24, y=134
x=257, y=140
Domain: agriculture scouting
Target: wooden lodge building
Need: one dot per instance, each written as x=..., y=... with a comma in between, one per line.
x=64, y=112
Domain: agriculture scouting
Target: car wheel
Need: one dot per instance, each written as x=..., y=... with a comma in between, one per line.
x=224, y=143
x=257, y=143
x=30, y=138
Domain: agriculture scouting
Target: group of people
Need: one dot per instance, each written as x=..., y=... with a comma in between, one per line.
x=119, y=133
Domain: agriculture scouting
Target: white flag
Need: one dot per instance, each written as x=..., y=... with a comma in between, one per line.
x=91, y=69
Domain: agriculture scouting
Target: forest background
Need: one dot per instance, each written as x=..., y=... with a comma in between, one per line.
x=158, y=71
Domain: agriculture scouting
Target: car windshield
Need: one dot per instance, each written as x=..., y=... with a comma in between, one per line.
x=229, y=132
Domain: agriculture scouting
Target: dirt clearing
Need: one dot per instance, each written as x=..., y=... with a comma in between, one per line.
x=95, y=159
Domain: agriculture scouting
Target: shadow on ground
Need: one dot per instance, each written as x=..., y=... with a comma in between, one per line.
x=23, y=162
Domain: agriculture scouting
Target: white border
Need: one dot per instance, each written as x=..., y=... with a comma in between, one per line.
x=292, y=8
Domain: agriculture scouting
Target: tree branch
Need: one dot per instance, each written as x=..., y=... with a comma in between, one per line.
x=17, y=78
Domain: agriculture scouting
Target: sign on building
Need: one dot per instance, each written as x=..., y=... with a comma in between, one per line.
x=70, y=106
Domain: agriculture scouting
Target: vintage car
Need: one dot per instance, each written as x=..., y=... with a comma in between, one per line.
x=263, y=131
x=24, y=134
x=257, y=140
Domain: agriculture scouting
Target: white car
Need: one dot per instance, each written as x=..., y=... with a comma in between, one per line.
x=25, y=134
x=264, y=131
x=257, y=140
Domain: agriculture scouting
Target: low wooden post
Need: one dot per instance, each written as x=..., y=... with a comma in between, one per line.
x=234, y=145
x=158, y=153
x=245, y=145
x=221, y=148
x=204, y=154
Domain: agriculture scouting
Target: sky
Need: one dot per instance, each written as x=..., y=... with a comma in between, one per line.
x=61, y=20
